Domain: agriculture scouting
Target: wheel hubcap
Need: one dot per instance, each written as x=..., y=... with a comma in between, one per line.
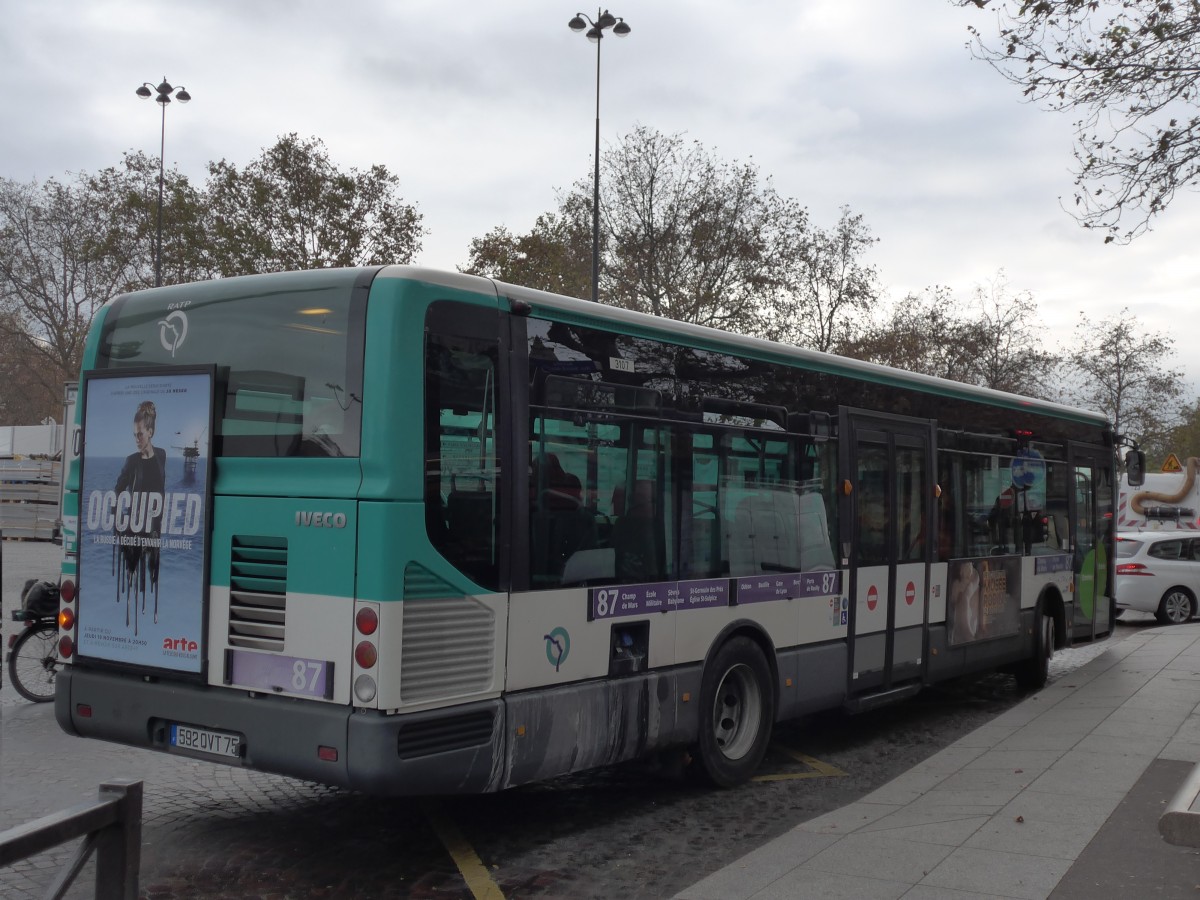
x=737, y=712
x=1179, y=607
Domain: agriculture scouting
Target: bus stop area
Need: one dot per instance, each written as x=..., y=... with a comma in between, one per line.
x=1060, y=797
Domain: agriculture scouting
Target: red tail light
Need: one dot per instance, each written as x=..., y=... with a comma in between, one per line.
x=66, y=620
x=1133, y=569
x=365, y=654
x=366, y=620
x=66, y=590
x=66, y=646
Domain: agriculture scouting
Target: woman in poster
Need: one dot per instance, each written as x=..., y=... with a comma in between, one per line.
x=964, y=604
x=143, y=476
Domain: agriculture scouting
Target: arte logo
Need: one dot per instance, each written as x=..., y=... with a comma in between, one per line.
x=172, y=331
x=558, y=647
x=180, y=644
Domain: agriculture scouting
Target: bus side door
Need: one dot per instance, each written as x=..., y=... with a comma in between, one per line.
x=1091, y=510
x=889, y=466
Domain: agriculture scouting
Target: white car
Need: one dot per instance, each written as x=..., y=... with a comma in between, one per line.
x=1159, y=572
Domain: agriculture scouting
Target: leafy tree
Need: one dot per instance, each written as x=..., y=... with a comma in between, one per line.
x=1183, y=439
x=927, y=333
x=61, y=259
x=1126, y=374
x=292, y=208
x=688, y=236
x=555, y=256
x=827, y=288
x=129, y=192
x=1130, y=69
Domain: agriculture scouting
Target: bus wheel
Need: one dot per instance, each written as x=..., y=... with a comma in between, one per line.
x=1033, y=673
x=736, y=707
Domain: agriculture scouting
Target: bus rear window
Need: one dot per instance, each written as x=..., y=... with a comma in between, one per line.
x=288, y=354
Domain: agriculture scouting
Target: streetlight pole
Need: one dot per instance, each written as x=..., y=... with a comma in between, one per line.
x=165, y=92
x=595, y=34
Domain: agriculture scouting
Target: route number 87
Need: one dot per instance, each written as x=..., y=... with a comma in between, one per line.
x=606, y=602
x=300, y=675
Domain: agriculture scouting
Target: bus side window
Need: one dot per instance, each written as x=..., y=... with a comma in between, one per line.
x=462, y=467
x=636, y=536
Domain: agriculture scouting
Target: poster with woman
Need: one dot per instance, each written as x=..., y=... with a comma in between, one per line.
x=982, y=599
x=144, y=504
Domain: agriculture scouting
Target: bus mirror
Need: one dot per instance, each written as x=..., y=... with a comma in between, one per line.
x=1135, y=468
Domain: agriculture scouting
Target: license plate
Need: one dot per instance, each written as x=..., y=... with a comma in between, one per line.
x=203, y=740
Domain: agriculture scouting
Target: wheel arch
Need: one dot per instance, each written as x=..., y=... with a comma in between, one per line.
x=755, y=632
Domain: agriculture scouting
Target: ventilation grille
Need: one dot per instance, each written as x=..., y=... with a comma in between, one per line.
x=445, y=735
x=448, y=648
x=419, y=583
x=258, y=592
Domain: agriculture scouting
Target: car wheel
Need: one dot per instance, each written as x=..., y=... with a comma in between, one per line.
x=1176, y=607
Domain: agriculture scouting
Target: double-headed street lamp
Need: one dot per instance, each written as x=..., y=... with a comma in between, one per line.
x=595, y=34
x=165, y=92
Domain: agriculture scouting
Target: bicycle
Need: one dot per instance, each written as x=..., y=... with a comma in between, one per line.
x=33, y=653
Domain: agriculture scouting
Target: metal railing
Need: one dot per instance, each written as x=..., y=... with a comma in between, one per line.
x=111, y=826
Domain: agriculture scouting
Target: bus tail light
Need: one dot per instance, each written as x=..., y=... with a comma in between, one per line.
x=366, y=620
x=66, y=590
x=365, y=654
x=66, y=646
x=66, y=619
x=1133, y=569
x=365, y=689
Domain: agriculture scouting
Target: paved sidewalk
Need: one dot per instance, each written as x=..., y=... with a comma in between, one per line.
x=1058, y=797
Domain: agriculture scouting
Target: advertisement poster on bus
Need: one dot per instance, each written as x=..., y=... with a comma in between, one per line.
x=983, y=599
x=143, y=517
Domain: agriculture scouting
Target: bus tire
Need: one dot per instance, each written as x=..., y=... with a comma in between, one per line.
x=737, y=703
x=1033, y=673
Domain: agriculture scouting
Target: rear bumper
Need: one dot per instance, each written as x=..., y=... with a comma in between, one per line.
x=446, y=751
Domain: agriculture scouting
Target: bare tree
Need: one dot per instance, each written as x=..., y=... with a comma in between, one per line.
x=928, y=333
x=1130, y=69
x=828, y=288
x=1007, y=342
x=1126, y=374
x=60, y=261
x=994, y=341
x=689, y=236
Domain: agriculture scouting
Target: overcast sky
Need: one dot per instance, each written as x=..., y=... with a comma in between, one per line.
x=484, y=109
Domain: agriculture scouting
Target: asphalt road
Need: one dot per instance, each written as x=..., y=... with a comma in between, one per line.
x=634, y=831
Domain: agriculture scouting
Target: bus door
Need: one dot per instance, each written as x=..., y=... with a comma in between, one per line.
x=887, y=521
x=1091, y=511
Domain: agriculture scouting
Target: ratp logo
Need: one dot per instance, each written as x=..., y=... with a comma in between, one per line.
x=558, y=647
x=172, y=331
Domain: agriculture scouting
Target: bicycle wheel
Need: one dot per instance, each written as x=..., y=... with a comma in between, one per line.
x=33, y=662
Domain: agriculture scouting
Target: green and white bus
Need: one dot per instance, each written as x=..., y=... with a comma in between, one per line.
x=413, y=532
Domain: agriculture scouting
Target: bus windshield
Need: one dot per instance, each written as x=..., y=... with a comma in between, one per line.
x=289, y=362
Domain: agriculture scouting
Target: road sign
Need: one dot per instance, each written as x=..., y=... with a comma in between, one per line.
x=1172, y=464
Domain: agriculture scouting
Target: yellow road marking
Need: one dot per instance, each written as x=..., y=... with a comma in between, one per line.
x=474, y=872
x=818, y=769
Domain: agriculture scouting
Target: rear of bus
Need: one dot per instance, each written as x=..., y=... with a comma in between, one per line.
x=248, y=504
